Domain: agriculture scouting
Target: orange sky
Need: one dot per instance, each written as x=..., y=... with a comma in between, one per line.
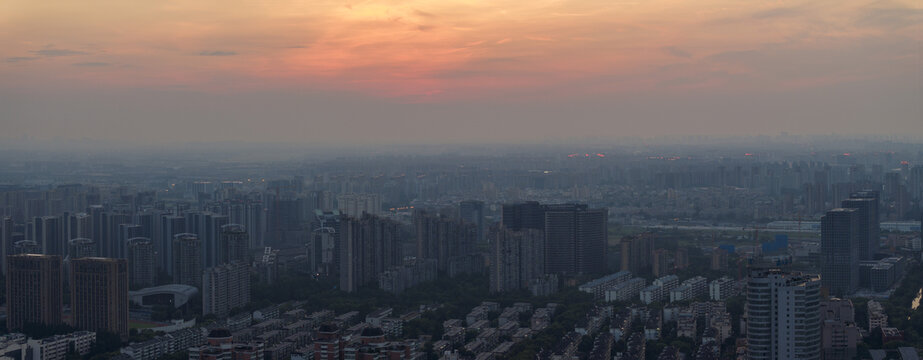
x=457, y=50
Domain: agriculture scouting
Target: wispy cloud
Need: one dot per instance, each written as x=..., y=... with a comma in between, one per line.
x=425, y=14
x=17, y=59
x=675, y=51
x=217, y=53
x=735, y=56
x=777, y=13
x=52, y=52
x=767, y=14
x=91, y=64
x=539, y=38
x=892, y=17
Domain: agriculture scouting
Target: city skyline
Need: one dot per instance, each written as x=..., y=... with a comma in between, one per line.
x=456, y=72
x=461, y=180
x=259, y=257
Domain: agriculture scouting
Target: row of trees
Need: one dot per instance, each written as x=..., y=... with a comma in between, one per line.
x=901, y=311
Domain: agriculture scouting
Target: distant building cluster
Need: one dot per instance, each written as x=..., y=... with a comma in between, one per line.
x=535, y=243
x=666, y=253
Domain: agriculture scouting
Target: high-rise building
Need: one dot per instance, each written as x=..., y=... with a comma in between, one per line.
x=472, y=212
x=915, y=183
x=661, y=263
x=720, y=289
x=236, y=211
x=79, y=225
x=321, y=247
x=6, y=241
x=212, y=242
x=149, y=220
x=110, y=245
x=48, y=232
x=357, y=204
x=170, y=226
x=783, y=315
x=321, y=200
x=820, y=190
x=233, y=244
x=256, y=224
x=34, y=290
x=527, y=215
x=140, y=262
x=516, y=258
x=637, y=253
x=443, y=239
x=840, y=251
x=98, y=221
x=897, y=194
x=207, y=227
x=81, y=248
x=369, y=245
x=575, y=239
x=99, y=295
x=187, y=260
x=869, y=228
x=127, y=232
x=575, y=236
x=225, y=287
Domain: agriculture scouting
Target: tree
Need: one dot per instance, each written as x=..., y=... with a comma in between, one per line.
x=735, y=307
x=105, y=342
x=40, y=331
x=586, y=344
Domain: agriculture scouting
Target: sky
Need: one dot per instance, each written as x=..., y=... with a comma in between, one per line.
x=455, y=71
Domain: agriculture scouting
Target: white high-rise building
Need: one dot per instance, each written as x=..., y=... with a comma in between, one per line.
x=225, y=287
x=783, y=315
x=357, y=204
x=721, y=289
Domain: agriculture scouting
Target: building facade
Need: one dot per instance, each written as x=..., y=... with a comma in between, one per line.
x=34, y=290
x=638, y=253
x=187, y=260
x=369, y=245
x=575, y=239
x=99, y=295
x=840, y=251
x=140, y=262
x=869, y=227
x=233, y=244
x=783, y=315
x=81, y=247
x=444, y=239
x=225, y=287
x=516, y=258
